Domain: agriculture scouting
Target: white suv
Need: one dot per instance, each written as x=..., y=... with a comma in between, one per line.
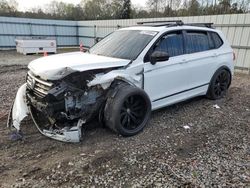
x=125, y=76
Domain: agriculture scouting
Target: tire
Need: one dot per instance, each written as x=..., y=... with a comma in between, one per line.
x=219, y=84
x=128, y=111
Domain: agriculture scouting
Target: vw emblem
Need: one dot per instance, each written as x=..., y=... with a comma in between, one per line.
x=32, y=83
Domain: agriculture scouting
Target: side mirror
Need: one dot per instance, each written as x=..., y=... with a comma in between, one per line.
x=158, y=56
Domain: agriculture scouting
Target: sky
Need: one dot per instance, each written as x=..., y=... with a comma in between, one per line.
x=28, y=4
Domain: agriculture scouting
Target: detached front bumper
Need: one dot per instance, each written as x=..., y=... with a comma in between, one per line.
x=20, y=110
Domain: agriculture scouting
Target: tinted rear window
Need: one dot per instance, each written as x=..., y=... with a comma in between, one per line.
x=216, y=39
x=196, y=41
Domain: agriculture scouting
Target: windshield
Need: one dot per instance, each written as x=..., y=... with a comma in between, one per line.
x=123, y=44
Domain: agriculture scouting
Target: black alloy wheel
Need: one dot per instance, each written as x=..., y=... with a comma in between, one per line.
x=133, y=112
x=219, y=84
x=128, y=112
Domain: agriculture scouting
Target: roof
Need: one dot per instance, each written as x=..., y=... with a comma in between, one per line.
x=164, y=28
x=165, y=25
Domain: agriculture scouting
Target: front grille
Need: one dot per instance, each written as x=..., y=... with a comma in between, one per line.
x=39, y=87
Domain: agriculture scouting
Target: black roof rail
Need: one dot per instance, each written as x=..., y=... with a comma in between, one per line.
x=169, y=23
x=209, y=25
x=161, y=23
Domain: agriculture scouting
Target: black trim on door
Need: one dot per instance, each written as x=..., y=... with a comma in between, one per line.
x=180, y=92
x=146, y=59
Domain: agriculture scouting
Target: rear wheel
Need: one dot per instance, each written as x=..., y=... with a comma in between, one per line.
x=219, y=84
x=128, y=111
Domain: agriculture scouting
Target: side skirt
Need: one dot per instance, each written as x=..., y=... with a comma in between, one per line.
x=180, y=96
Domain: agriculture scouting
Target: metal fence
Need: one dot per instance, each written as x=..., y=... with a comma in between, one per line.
x=236, y=27
x=65, y=32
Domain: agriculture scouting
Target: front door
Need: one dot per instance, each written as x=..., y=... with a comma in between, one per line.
x=167, y=78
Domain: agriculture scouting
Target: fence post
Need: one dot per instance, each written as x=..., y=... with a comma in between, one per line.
x=30, y=26
x=95, y=32
x=55, y=33
x=77, y=35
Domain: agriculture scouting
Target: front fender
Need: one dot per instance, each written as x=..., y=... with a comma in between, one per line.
x=105, y=80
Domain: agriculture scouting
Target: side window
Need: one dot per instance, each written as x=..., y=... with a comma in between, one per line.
x=216, y=39
x=172, y=43
x=196, y=41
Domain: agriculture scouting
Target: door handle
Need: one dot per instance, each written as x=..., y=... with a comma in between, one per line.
x=215, y=54
x=183, y=61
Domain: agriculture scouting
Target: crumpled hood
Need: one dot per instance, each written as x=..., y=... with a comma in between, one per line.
x=55, y=67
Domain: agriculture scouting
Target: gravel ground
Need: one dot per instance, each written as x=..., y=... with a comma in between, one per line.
x=213, y=152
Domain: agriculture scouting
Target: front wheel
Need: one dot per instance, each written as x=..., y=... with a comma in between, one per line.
x=219, y=84
x=128, y=111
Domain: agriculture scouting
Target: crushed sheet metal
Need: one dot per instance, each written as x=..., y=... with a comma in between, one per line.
x=20, y=108
x=73, y=135
x=105, y=80
x=56, y=74
x=55, y=67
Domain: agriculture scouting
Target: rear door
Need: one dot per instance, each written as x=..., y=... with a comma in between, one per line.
x=200, y=59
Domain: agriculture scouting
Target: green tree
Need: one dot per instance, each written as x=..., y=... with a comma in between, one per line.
x=224, y=6
x=126, y=11
x=96, y=9
x=194, y=8
x=8, y=8
x=122, y=9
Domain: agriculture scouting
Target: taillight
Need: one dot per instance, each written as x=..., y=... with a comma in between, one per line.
x=234, y=56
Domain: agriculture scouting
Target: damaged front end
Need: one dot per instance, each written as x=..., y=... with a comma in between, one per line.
x=58, y=108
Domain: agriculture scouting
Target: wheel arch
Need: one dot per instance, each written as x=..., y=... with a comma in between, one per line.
x=223, y=67
x=119, y=90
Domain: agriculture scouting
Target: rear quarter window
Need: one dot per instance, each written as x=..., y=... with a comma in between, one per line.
x=216, y=40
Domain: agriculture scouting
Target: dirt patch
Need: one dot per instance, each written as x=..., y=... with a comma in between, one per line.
x=215, y=151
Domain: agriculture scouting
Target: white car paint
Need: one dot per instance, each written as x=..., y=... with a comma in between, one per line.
x=20, y=108
x=58, y=66
x=168, y=80
x=165, y=75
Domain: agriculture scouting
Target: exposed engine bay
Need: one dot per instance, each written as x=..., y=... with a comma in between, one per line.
x=64, y=100
x=63, y=105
